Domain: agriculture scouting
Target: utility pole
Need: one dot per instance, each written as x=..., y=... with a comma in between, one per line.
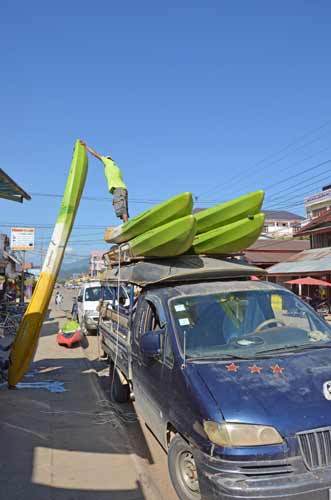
x=22, y=280
x=41, y=251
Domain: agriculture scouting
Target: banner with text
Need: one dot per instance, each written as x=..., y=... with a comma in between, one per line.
x=22, y=238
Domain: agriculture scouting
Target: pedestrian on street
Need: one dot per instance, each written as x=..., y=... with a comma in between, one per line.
x=116, y=185
x=58, y=299
x=74, y=309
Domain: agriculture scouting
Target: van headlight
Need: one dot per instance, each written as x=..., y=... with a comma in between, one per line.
x=239, y=435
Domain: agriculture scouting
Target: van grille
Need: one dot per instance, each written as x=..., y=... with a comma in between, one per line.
x=316, y=447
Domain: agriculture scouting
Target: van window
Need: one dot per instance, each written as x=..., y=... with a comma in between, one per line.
x=140, y=319
x=245, y=323
x=147, y=319
x=152, y=318
x=93, y=294
x=153, y=322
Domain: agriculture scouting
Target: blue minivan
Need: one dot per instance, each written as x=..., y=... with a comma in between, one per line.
x=233, y=377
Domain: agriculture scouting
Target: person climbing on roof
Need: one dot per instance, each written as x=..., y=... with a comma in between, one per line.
x=116, y=185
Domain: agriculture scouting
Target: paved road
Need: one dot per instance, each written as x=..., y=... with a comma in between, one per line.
x=72, y=444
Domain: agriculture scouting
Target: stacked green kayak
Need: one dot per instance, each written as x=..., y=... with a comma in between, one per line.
x=169, y=210
x=170, y=228
x=229, y=238
x=171, y=239
x=230, y=211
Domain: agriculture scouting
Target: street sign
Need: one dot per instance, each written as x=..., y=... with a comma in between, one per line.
x=22, y=238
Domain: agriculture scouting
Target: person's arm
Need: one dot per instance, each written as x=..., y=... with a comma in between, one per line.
x=94, y=153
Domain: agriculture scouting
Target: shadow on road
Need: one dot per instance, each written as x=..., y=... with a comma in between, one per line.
x=133, y=427
x=71, y=444
x=51, y=327
x=60, y=445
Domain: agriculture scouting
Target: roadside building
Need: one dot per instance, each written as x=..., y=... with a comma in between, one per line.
x=281, y=223
x=268, y=252
x=10, y=265
x=97, y=264
x=314, y=262
x=9, y=190
x=318, y=203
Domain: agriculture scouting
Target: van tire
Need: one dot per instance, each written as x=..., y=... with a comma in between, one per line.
x=181, y=464
x=119, y=392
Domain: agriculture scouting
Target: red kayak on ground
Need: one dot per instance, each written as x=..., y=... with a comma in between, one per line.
x=70, y=334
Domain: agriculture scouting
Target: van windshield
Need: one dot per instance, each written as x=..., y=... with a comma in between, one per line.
x=245, y=323
x=95, y=293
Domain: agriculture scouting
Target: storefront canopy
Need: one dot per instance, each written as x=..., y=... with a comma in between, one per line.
x=308, y=281
x=10, y=190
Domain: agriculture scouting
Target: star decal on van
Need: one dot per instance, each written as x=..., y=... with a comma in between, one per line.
x=232, y=368
x=255, y=369
x=277, y=369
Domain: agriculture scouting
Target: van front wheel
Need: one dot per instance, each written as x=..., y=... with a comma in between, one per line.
x=182, y=469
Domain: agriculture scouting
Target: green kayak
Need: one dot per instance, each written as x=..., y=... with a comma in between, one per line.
x=169, y=240
x=230, y=211
x=169, y=210
x=230, y=238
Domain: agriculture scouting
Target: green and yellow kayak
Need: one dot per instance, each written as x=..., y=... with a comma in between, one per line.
x=231, y=238
x=175, y=208
x=228, y=212
x=27, y=336
x=169, y=240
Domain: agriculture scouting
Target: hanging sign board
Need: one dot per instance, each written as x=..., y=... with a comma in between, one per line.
x=22, y=238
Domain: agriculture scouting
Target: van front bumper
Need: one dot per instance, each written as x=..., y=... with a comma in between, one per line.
x=286, y=479
x=91, y=322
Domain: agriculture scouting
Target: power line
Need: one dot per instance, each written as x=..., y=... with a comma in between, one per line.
x=291, y=200
x=282, y=200
x=303, y=160
x=302, y=172
x=295, y=196
x=319, y=178
x=46, y=226
x=97, y=198
x=300, y=161
x=260, y=162
x=288, y=167
x=294, y=190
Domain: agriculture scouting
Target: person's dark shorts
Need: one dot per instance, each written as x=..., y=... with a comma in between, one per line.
x=120, y=202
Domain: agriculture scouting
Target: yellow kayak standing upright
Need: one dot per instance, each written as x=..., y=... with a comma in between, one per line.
x=27, y=336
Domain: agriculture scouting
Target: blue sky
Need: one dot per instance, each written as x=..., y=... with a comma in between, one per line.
x=218, y=99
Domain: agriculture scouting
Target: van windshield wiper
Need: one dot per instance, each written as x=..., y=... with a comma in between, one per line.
x=292, y=348
x=219, y=357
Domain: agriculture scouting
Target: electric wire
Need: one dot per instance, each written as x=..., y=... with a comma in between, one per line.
x=288, y=167
x=305, y=182
x=98, y=198
x=300, y=197
x=250, y=169
x=301, y=193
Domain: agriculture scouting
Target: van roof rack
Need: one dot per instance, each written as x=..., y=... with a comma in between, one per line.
x=184, y=268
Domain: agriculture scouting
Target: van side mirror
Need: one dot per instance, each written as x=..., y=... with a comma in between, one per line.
x=79, y=298
x=150, y=343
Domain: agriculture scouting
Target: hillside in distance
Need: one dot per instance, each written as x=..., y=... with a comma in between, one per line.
x=76, y=267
